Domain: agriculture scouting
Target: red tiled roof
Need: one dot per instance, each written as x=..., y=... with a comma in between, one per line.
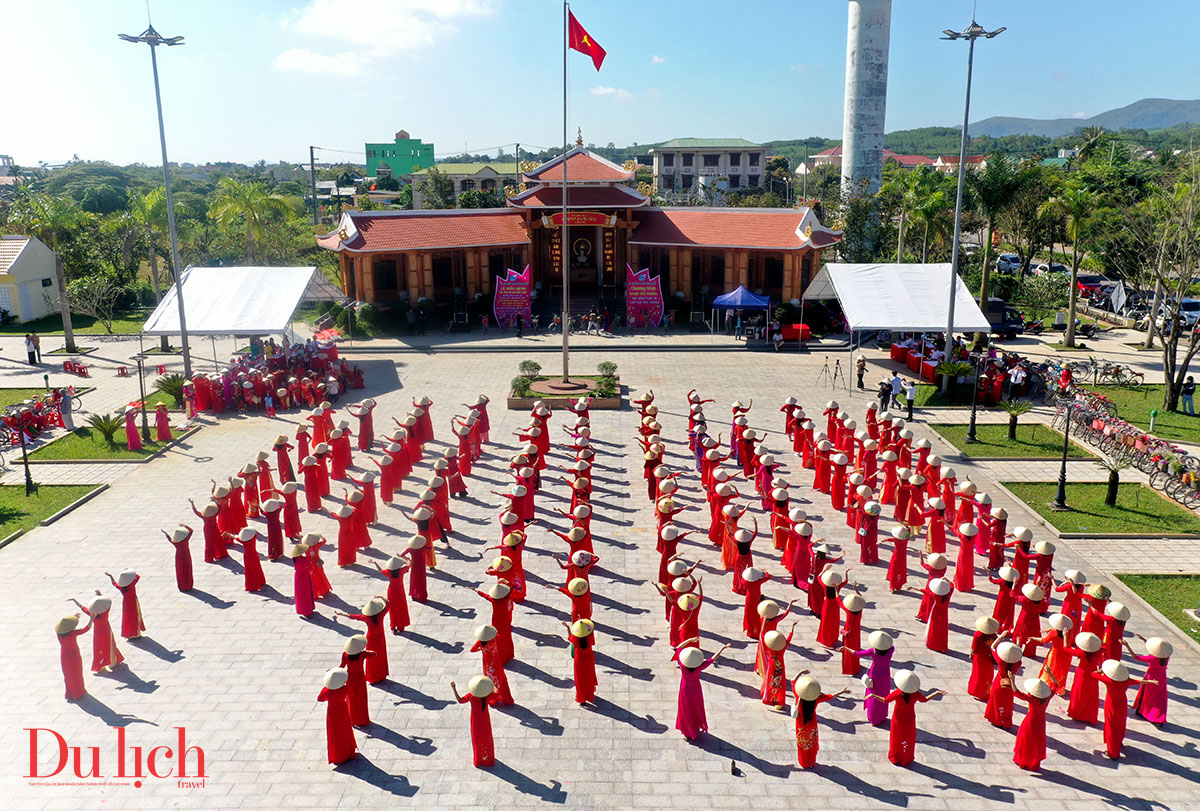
x=722, y=228
x=832, y=152
x=430, y=230
x=908, y=160
x=10, y=249
x=954, y=158
x=582, y=167
x=586, y=197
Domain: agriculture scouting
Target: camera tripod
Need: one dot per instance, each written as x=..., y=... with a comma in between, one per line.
x=830, y=377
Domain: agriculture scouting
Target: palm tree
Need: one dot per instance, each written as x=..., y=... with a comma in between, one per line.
x=1074, y=206
x=1090, y=139
x=242, y=204
x=910, y=188
x=1114, y=466
x=994, y=190
x=147, y=211
x=1014, y=409
x=930, y=211
x=51, y=219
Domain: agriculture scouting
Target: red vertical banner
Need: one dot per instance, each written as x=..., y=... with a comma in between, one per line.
x=511, y=297
x=643, y=297
x=556, y=250
x=610, y=250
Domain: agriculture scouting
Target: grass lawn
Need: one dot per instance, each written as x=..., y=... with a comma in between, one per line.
x=20, y=512
x=537, y=395
x=931, y=395
x=87, y=444
x=1169, y=594
x=10, y=396
x=1034, y=440
x=126, y=322
x=1134, y=405
x=1139, y=509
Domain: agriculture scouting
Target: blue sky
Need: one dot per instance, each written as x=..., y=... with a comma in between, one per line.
x=266, y=78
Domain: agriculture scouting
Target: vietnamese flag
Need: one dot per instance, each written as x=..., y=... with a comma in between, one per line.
x=580, y=40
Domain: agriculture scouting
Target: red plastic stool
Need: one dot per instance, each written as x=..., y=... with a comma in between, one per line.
x=160, y=369
x=122, y=371
x=81, y=370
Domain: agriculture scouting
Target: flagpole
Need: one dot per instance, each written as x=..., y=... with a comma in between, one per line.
x=563, y=247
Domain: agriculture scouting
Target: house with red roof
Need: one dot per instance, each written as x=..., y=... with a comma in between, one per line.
x=948, y=164
x=451, y=256
x=833, y=156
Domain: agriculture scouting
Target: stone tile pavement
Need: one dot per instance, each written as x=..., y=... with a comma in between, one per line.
x=241, y=671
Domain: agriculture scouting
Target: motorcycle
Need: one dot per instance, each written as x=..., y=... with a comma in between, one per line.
x=1034, y=327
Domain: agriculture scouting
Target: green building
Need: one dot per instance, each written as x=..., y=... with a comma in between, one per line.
x=402, y=157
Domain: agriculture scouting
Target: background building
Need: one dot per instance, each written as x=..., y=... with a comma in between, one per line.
x=27, y=288
x=450, y=257
x=468, y=177
x=402, y=157
x=678, y=163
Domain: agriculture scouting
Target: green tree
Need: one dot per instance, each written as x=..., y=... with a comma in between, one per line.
x=52, y=220
x=934, y=213
x=476, y=198
x=994, y=189
x=436, y=190
x=1090, y=140
x=1074, y=206
x=240, y=205
x=908, y=188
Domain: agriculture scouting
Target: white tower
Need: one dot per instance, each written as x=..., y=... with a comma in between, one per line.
x=867, y=35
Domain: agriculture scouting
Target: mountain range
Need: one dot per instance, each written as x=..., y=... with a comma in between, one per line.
x=1142, y=114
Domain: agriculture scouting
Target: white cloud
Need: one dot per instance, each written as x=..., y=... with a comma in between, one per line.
x=1082, y=115
x=302, y=60
x=378, y=29
x=797, y=67
x=620, y=93
x=657, y=60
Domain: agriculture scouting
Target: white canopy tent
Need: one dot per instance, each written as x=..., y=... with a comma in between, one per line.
x=898, y=297
x=240, y=300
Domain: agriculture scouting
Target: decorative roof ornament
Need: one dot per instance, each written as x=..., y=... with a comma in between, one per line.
x=579, y=136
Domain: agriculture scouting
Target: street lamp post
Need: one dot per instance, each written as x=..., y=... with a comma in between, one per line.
x=154, y=39
x=1060, y=497
x=142, y=390
x=973, y=32
x=24, y=456
x=974, y=403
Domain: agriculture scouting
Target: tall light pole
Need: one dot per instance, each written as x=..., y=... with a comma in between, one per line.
x=973, y=32
x=154, y=39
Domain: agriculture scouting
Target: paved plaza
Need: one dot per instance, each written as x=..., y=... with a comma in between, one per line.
x=241, y=672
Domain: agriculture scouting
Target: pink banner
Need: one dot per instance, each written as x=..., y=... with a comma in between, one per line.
x=512, y=297
x=643, y=297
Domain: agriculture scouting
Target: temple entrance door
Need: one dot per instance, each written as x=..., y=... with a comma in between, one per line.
x=584, y=259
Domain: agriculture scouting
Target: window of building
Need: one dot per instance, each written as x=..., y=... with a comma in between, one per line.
x=488, y=184
x=754, y=156
x=712, y=160
x=666, y=182
x=753, y=180
x=735, y=181
x=687, y=158
x=773, y=274
x=735, y=158
x=687, y=181
x=468, y=185
x=668, y=159
x=386, y=279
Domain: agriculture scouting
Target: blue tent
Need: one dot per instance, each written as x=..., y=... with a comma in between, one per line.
x=741, y=299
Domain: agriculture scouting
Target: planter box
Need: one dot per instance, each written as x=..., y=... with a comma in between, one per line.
x=550, y=401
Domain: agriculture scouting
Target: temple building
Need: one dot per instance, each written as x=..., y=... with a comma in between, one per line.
x=449, y=256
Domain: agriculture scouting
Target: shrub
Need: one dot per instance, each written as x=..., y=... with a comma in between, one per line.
x=787, y=313
x=606, y=387
x=607, y=369
x=520, y=386
x=106, y=425
x=172, y=385
x=366, y=319
x=530, y=368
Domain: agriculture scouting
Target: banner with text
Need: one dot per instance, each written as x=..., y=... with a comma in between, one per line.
x=643, y=298
x=511, y=297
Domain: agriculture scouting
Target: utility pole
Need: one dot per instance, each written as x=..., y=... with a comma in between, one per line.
x=312, y=175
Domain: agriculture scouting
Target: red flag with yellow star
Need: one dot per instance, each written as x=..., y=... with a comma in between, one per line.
x=580, y=40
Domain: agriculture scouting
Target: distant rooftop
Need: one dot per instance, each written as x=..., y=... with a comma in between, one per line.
x=472, y=168
x=707, y=143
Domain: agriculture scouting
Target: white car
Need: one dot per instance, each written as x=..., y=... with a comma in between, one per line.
x=1008, y=263
x=1051, y=269
x=1189, y=312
